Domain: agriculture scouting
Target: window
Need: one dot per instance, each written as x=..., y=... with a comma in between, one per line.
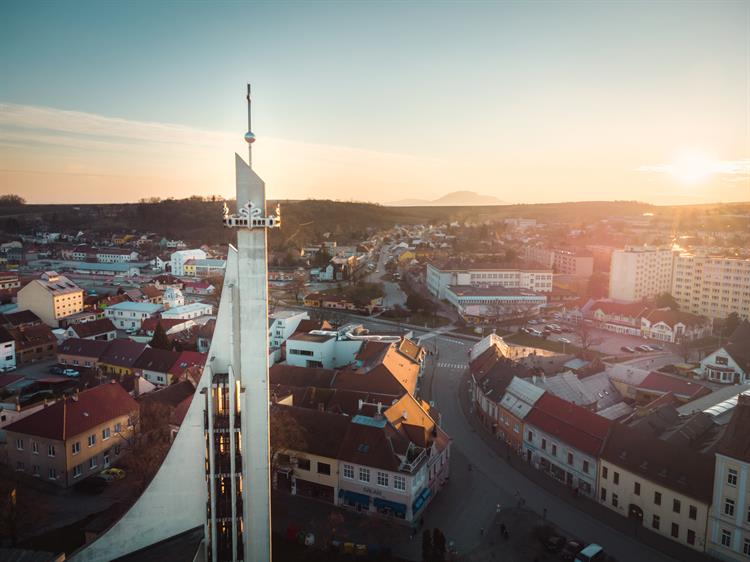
x=693, y=512
x=746, y=547
x=586, y=466
x=324, y=468
x=544, y=444
x=399, y=482
x=657, y=498
x=20, y=466
x=616, y=477
x=605, y=471
x=35, y=447
x=303, y=464
x=35, y=469
x=92, y=440
x=570, y=458
x=51, y=451
x=349, y=472
x=382, y=479
x=675, y=530
x=92, y=463
x=117, y=449
x=19, y=444
x=728, y=507
x=726, y=538
x=105, y=434
x=77, y=470
x=604, y=494
x=530, y=436
x=655, y=521
x=118, y=427
x=364, y=474
x=615, y=500
x=637, y=488
x=554, y=450
x=691, y=536
x=76, y=447
x=676, y=506
x=52, y=473
x=732, y=477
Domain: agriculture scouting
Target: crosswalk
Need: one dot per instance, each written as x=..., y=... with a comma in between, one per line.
x=445, y=365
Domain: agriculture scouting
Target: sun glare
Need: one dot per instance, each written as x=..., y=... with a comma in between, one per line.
x=693, y=167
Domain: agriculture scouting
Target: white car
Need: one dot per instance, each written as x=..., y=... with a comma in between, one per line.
x=564, y=340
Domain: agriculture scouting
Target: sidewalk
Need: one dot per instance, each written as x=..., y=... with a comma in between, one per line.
x=594, y=509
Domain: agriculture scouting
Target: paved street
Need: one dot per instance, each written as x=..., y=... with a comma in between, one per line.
x=393, y=294
x=469, y=501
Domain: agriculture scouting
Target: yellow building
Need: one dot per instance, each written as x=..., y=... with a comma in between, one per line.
x=120, y=356
x=664, y=486
x=189, y=268
x=74, y=438
x=51, y=297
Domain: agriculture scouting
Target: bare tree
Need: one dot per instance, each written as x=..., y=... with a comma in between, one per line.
x=586, y=336
x=684, y=348
x=286, y=434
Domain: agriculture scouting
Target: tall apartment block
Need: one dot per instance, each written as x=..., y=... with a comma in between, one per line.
x=639, y=272
x=712, y=286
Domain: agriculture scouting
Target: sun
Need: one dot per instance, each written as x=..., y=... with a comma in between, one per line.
x=693, y=167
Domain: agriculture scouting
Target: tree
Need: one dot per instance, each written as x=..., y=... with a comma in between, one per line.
x=297, y=286
x=730, y=324
x=149, y=443
x=426, y=546
x=666, y=300
x=12, y=200
x=586, y=336
x=322, y=257
x=414, y=302
x=160, y=339
x=286, y=434
x=684, y=348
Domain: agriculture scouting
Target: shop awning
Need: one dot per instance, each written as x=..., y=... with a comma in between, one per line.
x=393, y=506
x=354, y=497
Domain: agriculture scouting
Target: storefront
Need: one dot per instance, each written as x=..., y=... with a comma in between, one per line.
x=420, y=502
x=360, y=502
x=314, y=490
x=389, y=508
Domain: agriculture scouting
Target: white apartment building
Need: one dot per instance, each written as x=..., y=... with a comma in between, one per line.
x=712, y=286
x=7, y=351
x=115, y=255
x=639, y=272
x=729, y=519
x=439, y=280
x=51, y=298
x=283, y=324
x=188, y=311
x=130, y=315
x=179, y=258
x=172, y=297
x=566, y=262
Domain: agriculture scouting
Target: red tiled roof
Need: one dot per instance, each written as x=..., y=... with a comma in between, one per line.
x=83, y=348
x=659, y=382
x=187, y=360
x=93, y=328
x=122, y=353
x=671, y=317
x=632, y=309
x=571, y=424
x=149, y=324
x=72, y=416
x=159, y=360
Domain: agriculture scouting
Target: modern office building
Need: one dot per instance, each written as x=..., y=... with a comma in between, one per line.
x=440, y=278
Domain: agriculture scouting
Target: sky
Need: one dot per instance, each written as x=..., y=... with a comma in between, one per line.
x=526, y=101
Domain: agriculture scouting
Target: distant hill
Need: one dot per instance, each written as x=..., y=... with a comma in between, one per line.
x=453, y=199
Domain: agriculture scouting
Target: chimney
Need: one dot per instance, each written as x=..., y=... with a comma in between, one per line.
x=359, y=404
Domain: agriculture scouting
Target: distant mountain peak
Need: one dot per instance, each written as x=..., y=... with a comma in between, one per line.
x=453, y=199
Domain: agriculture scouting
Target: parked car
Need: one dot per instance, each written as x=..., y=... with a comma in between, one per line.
x=564, y=340
x=91, y=485
x=570, y=550
x=554, y=543
x=70, y=373
x=627, y=349
x=656, y=347
x=643, y=348
x=592, y=553
x=534, y=332
x=56, y=370
x=112, y=474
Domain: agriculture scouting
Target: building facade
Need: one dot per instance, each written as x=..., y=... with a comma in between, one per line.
x=712, y=286
x=52, y=297
x=179, y=258
x=439, y=280
x=129, y=316
x=639, y=272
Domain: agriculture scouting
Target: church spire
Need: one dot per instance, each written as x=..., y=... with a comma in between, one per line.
x=249, y=136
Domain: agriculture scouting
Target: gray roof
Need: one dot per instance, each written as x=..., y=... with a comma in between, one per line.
x=715, y=403
x=616, y=411
x=520, y=397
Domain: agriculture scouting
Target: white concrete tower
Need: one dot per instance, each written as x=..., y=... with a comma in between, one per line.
x=240, y=396
x=216, y=474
